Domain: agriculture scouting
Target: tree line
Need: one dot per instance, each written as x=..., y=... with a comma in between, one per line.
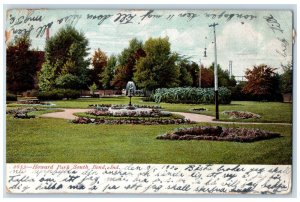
x=150, y=64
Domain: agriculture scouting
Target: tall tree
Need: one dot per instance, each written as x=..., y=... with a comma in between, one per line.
x=263, y=83
x=193, y=69
x=99, y=62
x=108, y=73
x=127, y=61
x=66, y=63
x=157, y=68
x=185, y=76
x=21, y=65
x=223, y=77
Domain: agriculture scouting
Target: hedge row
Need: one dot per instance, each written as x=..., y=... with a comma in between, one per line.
x=59, y=94
x=191, y=95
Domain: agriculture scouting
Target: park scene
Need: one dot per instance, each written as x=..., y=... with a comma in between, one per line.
x=76, y=95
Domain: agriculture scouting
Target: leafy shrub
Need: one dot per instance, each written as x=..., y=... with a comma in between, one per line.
x=192, y=95
x=59, y=94
x=11, y=97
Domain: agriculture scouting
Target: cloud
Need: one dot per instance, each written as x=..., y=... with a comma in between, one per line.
x=240, y=39
x=189, y=42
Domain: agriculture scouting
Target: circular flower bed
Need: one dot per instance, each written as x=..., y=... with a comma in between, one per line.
x=120, y=106
x=85, y=120
x=121, y=114
x=219, y=134
x=241, y=115
x=104, y=111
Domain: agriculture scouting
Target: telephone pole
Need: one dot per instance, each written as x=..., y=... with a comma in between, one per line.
x=230, y=69
x=216, y=72
x=200, y=75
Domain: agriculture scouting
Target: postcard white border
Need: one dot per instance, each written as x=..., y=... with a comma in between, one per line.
x=187, y=3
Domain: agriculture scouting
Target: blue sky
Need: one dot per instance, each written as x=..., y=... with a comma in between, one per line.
x=248, y=38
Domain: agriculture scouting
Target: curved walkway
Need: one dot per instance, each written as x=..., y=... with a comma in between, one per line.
x=66, y=114
x=69, y=114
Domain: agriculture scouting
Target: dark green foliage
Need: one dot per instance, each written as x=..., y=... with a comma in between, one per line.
x=68, y=81
x=66, y=63
x=21, y=65
x=108, y=73
x=189, y=72
x=238, y=94
x=11, y=97
x=223, y=77
x=193, y=69
x=192, y=95
x=59, y=94
x=286, y=79
x=126, y=63
x=185, y=76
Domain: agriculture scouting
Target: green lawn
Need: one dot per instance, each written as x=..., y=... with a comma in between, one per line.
x=58, y=141
x=270, y=111
x=47, y=140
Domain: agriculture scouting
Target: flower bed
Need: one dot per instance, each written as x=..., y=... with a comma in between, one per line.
x=85, y=120
x=21, y=113
x=219, y=134
x=121, y=106
x=128, y=113
x=199, y=109
x=21, y=110
x=241, y=115
x=99, y=105
x=23, y=116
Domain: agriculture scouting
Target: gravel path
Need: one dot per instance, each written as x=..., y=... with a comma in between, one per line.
x=69, y=114
x=195, y=117
x=66, y=114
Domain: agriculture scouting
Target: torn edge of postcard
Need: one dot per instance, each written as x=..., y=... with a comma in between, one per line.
x=148, y=178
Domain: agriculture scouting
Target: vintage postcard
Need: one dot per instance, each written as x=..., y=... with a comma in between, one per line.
x=149, y=101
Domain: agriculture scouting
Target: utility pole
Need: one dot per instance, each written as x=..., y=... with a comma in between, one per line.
x=200, y=75
x=216, y=72
x=230, y=69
